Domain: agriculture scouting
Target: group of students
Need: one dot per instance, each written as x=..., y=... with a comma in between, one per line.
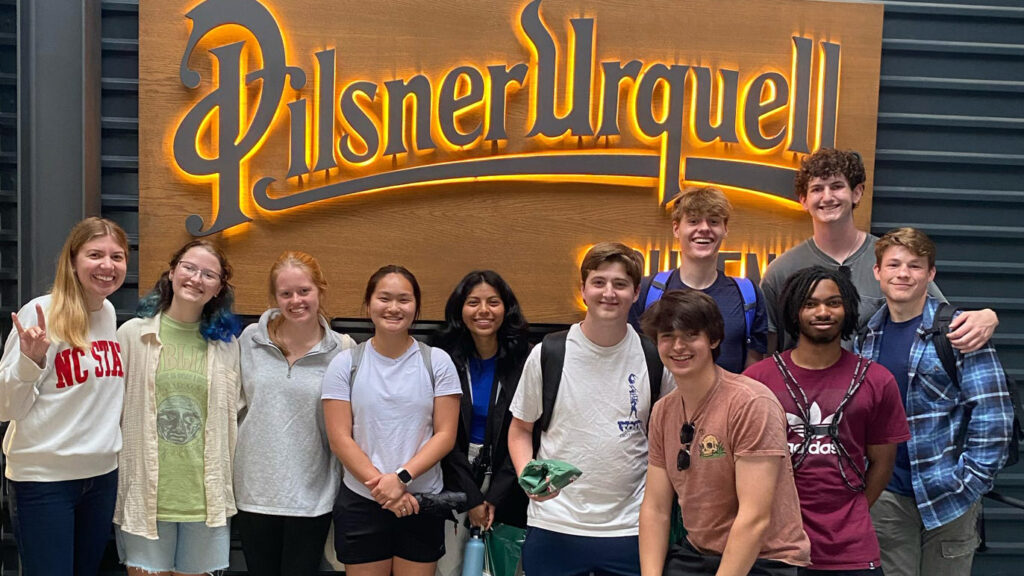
x=851, y=451
x=179, y=420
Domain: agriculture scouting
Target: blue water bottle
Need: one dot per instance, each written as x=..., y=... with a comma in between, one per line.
x=473, y=559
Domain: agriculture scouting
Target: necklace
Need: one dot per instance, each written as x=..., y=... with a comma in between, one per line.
x=857, y=241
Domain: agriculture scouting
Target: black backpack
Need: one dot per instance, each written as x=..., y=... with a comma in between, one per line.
x=552, y=359
x=943, y=347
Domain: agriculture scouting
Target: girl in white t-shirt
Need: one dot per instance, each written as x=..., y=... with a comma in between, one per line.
x=61, y=388
x=390, y=422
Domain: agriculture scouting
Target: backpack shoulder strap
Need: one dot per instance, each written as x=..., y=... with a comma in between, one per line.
x=943, y=347
x=655, y=368
x=749, y=295
x=357, y=357
x=657, y=289
x=425, y=352
x=552, y=359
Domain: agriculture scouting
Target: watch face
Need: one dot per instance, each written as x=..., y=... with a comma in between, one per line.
x=404, y=476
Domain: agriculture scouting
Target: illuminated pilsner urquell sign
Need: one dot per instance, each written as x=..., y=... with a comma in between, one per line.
x=510, y=136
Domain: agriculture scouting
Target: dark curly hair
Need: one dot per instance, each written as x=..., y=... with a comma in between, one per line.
x=455, y=338
x=218, y=321
x=829, y=162
x=801, y=284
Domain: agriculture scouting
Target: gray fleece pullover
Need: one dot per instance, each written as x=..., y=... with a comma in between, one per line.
x=283, y=463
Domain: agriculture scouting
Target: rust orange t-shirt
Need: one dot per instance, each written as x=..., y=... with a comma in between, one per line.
x=738, y=417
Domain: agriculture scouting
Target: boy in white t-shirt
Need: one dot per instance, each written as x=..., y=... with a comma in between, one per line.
x=598, y=423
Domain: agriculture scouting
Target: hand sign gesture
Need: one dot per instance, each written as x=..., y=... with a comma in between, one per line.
x=34, y=342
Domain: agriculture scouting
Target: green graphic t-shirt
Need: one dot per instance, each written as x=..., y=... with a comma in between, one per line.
x=181, y=391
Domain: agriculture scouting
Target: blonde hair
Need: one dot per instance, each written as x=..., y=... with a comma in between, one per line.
x=701, y=202
x=306, y=263
x=68, y=317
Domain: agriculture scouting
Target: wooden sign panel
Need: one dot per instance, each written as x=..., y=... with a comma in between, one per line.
x=450, y=136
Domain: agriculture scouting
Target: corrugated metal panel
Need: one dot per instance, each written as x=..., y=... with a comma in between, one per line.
x=8, y=218
x=120, y=134
x=8, y=161
x=950, y=161
x=951, y=149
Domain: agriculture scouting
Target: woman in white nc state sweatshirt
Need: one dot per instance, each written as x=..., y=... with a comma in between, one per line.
x=61, y=388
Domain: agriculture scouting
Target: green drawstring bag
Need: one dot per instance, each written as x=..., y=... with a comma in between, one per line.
x=542, y=477
x=504, y=547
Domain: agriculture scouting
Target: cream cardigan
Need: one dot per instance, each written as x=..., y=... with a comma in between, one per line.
x=138, y=463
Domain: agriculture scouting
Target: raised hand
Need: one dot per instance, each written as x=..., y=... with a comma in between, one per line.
x=34, y=341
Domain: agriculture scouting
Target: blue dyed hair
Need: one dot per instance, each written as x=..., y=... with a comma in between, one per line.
x=218, y=321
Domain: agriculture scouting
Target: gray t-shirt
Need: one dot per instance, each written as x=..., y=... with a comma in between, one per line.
x=861, y=264
x=392, y=408
x=283, y=463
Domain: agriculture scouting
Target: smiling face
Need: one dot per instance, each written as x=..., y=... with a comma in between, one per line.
x=822, y=313
x=196, y=279
x=296, y=295
x=392, y=305
x=483, y=312
x=700, y=237
x=609, y=292
x=829, y=200
x=904, y=276
x=686, y=354
x=100, y=266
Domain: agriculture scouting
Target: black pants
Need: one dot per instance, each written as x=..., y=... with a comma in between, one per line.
x=684, y=560
x=864, y=572
x=282, y=545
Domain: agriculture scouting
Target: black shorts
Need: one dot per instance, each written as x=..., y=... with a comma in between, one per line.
x=365, y=532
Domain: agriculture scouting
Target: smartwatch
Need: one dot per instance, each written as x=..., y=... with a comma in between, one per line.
x=403, y=476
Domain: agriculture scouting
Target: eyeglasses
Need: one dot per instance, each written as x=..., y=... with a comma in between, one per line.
x=190, y=270
x=685, y=438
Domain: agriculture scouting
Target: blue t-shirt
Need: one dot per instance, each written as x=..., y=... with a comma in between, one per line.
x=726, y=294
x=481, y=376
x=894, y=354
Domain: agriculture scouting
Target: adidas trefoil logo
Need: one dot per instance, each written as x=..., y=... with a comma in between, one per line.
x=821, y=444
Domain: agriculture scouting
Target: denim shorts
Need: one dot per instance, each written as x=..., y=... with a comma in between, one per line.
x=189, y=547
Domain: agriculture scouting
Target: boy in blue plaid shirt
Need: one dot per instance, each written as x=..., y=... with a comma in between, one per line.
x=926, y=517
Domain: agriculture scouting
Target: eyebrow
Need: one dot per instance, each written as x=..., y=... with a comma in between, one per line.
x=825, y=299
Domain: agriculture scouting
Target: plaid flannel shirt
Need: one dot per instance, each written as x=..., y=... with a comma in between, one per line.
x=959, y=434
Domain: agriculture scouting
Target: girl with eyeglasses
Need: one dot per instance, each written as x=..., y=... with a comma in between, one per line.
x=391, y=408
x=181, y=357
x=61, y=388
